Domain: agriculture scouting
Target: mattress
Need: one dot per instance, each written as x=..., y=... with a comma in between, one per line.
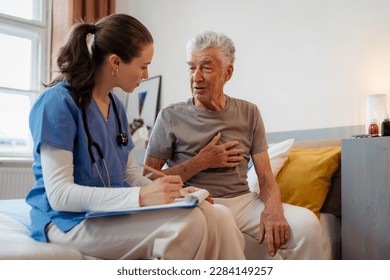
x=331, y=236
x=15, y=242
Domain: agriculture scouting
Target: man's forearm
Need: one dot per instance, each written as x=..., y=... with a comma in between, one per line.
x=186, y=170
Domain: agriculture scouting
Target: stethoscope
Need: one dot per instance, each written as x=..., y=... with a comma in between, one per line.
x=122, y=139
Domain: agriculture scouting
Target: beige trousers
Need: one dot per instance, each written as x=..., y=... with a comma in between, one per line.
x=205, y=232
x=305, y=240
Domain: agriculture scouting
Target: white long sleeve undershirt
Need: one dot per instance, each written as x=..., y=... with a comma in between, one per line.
x=64, y=195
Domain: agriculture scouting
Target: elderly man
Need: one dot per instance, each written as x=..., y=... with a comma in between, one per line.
x=209, y=139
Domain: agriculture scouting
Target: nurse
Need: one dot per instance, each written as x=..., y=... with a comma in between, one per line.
x=83, y=160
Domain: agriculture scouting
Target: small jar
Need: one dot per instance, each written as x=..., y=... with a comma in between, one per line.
x=373, y=129
x=385, y=125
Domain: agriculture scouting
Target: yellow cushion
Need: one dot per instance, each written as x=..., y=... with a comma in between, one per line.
x=306, y=176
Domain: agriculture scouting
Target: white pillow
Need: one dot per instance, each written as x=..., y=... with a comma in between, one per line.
x=278, y=154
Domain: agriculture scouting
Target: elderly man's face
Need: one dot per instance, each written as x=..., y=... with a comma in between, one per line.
x=207, y=75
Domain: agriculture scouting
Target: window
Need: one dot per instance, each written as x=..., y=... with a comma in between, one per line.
x=24, y=49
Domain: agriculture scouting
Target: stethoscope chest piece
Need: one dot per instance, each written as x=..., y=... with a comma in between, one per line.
x=122, y=139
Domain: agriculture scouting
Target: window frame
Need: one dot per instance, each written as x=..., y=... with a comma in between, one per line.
x=39, y=32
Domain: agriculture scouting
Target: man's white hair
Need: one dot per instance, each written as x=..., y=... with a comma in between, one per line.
x=210, y=39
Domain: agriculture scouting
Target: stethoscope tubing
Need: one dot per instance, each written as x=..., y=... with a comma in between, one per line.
x=122, y=139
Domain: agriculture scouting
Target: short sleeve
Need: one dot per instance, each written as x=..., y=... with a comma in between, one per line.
x=161, y=139
x=260, y=143
x=53, y=119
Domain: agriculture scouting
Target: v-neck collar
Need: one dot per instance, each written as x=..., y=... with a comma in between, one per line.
x=100, y=112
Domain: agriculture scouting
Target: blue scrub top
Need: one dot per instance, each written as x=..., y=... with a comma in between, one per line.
x=56, y=120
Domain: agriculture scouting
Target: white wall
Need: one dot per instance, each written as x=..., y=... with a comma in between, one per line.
x=306, y=63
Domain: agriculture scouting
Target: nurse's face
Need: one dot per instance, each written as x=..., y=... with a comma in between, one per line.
x=131, y=74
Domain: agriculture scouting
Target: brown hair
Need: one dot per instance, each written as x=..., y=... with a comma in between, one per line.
x=79, y=59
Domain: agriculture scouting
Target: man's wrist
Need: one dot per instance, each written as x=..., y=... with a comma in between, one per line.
x=197, y=163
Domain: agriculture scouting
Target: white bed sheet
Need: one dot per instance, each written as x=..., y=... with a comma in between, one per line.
x=331, y=236
x=15, y=242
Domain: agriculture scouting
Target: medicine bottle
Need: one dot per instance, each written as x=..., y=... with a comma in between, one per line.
x=373, y=129
x=385, y=125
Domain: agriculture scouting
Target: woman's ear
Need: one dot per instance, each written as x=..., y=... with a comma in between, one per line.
x=114, y=61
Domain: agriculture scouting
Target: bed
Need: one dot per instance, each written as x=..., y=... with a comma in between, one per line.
x=309, y=175
x=15, y=242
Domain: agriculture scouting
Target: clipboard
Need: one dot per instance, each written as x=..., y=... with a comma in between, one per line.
x=190, y=201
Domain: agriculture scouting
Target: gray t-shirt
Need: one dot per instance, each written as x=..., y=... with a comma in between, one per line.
x=182, y=130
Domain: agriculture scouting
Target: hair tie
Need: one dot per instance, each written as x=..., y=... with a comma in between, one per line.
x=92, y=28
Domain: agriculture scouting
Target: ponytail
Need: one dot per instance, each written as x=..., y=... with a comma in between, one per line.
x=76, y=64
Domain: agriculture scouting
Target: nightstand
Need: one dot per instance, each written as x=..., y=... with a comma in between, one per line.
x=365, y=165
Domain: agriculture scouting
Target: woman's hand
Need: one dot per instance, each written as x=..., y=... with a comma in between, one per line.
x=161, y=191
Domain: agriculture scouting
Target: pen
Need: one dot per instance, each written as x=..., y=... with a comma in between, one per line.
x=156, y=172
x=159, y=173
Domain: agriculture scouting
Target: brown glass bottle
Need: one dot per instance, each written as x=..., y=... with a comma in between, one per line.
x=385, y=128
x=373, y=129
